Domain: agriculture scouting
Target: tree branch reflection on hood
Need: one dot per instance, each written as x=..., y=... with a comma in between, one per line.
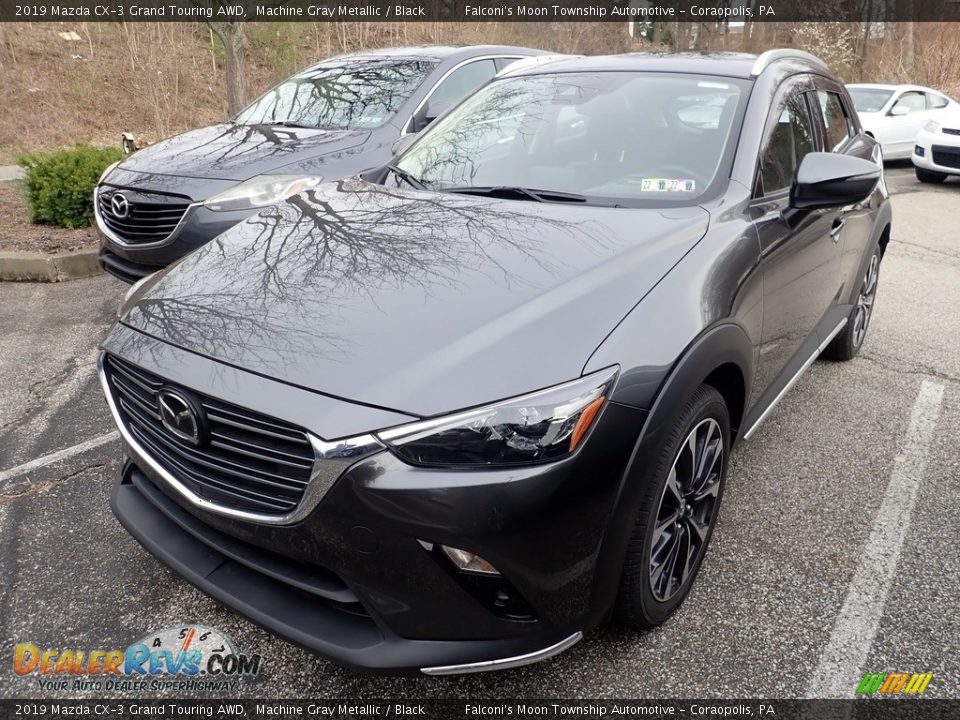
x=307, y=274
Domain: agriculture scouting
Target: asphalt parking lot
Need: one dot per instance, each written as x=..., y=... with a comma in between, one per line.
x=836, y=551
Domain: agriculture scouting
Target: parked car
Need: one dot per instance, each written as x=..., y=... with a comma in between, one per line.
x=332, y=120
x=448, y=416
x=936, y=153
x=894, y=114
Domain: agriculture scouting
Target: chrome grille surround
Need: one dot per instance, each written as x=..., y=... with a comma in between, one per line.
x=228, y=477
x=151, y=218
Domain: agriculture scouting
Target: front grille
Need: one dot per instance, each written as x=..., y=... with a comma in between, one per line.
x=143, y=217
x=249, y=461
x=946, y=156
x=951, y=131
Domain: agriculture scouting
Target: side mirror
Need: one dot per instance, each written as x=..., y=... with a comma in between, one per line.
x=430, y=112
x=402, y=143
x=826, y=180
x=899, y=110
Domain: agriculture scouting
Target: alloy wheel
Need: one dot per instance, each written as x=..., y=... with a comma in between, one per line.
x=687, y=509
x=864, y=309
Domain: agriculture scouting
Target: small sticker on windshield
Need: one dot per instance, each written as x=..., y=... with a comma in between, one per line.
x=667, y=185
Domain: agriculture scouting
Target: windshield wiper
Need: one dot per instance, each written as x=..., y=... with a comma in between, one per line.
x=291, y=124
x=412, y=181
x=507, y=191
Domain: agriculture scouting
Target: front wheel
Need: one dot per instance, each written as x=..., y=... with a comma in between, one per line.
x=677, y=513
x=928, y=176
x=848, y=343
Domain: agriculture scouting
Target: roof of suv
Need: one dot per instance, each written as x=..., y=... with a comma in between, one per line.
x=741, y=65
x=436, y=53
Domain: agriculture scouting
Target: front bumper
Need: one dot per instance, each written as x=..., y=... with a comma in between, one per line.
x=361, y=580
x=932, y=147
x=312, y=609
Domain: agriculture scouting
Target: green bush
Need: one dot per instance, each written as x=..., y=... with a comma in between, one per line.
x=59, y=184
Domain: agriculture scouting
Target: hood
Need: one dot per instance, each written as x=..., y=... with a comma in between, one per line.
x=238, y=152
x=414, y=301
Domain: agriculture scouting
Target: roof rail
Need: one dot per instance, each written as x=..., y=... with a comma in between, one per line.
x=766, y=59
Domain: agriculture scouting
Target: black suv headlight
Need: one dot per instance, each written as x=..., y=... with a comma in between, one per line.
x=539, y=427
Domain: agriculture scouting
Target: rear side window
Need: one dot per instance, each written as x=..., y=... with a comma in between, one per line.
x=838, y=126
x=791, y=138
x=912, y=101
x=463, y=81
x=936, y=102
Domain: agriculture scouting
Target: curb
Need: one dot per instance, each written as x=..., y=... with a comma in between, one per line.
x=41, y=267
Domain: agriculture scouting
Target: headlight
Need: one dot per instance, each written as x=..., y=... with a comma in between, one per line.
x=261, y=191
x=932, y=126
x=539, y=427
x=107, y=171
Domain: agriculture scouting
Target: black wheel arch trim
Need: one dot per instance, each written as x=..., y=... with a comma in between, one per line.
x=724, y=344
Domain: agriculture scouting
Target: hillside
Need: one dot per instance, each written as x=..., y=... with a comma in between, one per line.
x=64, y=83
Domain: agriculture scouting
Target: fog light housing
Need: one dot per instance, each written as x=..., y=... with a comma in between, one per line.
x=469, y=562
x=919, y=150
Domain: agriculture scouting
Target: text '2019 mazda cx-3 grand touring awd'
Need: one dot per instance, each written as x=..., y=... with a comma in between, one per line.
x=335, y=119
x=449, y=416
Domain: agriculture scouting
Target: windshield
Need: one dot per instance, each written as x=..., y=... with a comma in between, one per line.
x=348, y=95
x=607, y=137
x=869, y=99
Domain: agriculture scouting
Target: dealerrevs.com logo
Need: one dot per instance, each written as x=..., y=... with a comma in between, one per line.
x=895, y=683
x=184, y=658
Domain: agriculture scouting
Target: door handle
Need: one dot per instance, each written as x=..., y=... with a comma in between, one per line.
x=836, y=228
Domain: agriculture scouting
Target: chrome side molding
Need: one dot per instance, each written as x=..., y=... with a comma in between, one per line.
x=803, y=368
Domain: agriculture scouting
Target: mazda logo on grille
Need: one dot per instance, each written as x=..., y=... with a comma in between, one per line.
x=119, y=205
x=181, y=415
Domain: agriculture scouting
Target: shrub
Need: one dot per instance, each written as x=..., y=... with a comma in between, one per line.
x=59, y=184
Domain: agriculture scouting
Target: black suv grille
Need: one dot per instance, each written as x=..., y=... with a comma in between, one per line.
x=249, y=461
x=138, y=216
x=946, y=156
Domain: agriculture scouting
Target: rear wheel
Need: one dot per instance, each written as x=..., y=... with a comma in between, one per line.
x=678, y=512
x=848, y=343
x=928, y=176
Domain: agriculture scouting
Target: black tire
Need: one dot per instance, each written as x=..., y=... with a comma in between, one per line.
x=928, y=176
x=644, y=602
x=848, y=343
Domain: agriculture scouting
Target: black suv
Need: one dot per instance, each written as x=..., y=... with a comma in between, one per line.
x=450, y=416
x=334, y=119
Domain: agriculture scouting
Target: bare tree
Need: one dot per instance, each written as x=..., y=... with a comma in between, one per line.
x=234, y=38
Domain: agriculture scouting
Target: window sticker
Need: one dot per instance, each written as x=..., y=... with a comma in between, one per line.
x=667, y=185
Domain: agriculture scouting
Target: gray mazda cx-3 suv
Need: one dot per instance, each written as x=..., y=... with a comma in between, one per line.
x=451, y=415
x=332, y=120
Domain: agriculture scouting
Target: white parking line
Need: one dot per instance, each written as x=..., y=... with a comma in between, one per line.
x=841, y=663
x=58, y=456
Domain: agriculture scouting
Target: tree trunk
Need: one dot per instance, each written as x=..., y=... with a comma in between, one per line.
x=234, y=39
x=906, y=60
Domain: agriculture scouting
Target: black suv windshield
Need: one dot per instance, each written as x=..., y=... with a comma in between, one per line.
x=608, y=137
x=346, y=95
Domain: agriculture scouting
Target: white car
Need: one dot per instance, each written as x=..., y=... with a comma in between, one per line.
x=936, y=151
x=894, y=114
